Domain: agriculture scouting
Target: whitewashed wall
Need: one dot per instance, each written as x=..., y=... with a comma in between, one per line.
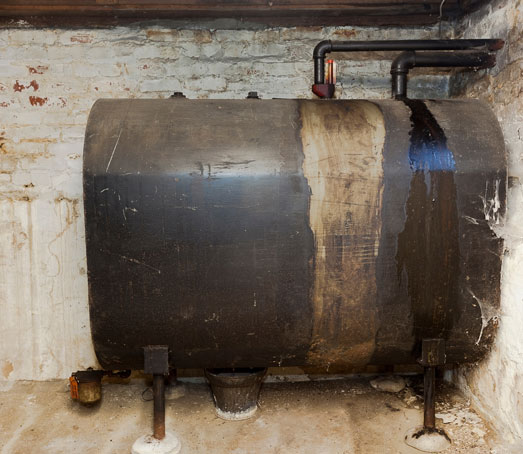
x=49, y=79
x=497, y=384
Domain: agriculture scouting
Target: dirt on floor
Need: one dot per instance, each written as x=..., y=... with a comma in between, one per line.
x=315, y=415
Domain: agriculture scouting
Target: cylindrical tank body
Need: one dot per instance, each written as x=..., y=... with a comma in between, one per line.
x=255, y=233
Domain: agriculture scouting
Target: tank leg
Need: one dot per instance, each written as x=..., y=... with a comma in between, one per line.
x=159, y=406
x=156, y=362
x=428, y=437
x=429, y=392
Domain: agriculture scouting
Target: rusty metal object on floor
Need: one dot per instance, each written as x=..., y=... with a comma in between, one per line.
x=236, y=391
x=86, y=386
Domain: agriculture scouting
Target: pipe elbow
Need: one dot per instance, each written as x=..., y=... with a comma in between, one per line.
x=322, y=48
x=403, y=62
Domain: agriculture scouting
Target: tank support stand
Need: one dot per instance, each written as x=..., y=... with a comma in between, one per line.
x=432, y=355
x=429, y=438
x=156, y=362
x=159, y=406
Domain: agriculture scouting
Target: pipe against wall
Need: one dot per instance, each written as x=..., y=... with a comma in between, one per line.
x=404, y=62
x=324, y=47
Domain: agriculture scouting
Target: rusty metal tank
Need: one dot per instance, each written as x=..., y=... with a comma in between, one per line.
x=255, y=233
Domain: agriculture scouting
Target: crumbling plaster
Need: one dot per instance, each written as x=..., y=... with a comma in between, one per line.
x=497, y=384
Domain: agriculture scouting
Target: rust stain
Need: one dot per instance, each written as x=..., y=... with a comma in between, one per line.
x=155, y=34
x=36, y=100
x=18, y=86
x=81, y=38
x=343, y=144
x=38, y=69
x=4, y=104
x=2, y=143
x=7, y=368
x=346, y=33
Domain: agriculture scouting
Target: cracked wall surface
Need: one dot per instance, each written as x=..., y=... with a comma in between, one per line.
x=497, y=384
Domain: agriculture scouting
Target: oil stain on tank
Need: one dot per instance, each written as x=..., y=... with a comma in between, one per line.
x=428, y=246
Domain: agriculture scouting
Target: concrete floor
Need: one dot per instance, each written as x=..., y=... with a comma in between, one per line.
x=339, y=416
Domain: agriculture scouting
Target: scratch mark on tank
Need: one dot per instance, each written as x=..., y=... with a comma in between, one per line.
x=470, y=219
x=488, y=313
x=491, y=205
x=114, y=149
x=130, y=259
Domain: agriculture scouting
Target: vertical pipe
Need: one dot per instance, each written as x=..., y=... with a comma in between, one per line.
x=159, y=406
x=429, y=381
x=399, y=85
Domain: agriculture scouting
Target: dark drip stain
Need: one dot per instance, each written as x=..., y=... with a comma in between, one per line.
x=428, y=246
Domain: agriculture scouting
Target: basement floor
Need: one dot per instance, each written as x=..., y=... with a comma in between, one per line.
x=314, y=416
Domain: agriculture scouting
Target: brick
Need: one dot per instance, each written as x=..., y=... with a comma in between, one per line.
x=160, y=85
x=19, y=37
x=206, y=83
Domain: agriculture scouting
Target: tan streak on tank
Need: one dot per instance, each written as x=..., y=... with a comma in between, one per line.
x=343, y=149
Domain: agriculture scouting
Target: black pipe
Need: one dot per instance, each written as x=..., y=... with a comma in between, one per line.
x=407, y=60
x=324, y=47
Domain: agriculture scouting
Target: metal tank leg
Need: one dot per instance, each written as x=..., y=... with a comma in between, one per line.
x=429, y=394
x=159, y=406
x=156, y=362
x=428, y=437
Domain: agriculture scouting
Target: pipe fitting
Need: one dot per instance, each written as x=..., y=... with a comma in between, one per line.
x=405, y=61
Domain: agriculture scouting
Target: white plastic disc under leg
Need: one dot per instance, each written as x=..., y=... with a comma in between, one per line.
x=150, y=445
x=427, y=440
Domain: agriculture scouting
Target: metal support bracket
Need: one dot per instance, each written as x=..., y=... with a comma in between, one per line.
x=156, y=359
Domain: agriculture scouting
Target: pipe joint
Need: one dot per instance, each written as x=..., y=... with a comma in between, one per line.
x=322, y=48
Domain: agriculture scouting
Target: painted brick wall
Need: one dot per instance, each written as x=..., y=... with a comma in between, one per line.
x=49, y=79
x=497, y=384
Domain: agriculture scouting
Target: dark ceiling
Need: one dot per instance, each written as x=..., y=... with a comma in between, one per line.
x=272, y=12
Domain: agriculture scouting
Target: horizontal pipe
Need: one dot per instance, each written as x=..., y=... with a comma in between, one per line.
x=324, y=47
x=404, y=62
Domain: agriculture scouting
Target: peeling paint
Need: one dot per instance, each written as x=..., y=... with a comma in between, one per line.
x=35, y=100
x=7, y=368
x=496, y=384
x=343, y=166
x=40, y=69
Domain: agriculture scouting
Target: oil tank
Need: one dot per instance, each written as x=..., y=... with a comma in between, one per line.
x=256, y=233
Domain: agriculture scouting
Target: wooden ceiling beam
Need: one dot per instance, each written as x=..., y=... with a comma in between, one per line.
x=275, y=12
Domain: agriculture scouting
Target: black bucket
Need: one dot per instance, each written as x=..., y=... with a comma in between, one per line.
x=236, y=391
